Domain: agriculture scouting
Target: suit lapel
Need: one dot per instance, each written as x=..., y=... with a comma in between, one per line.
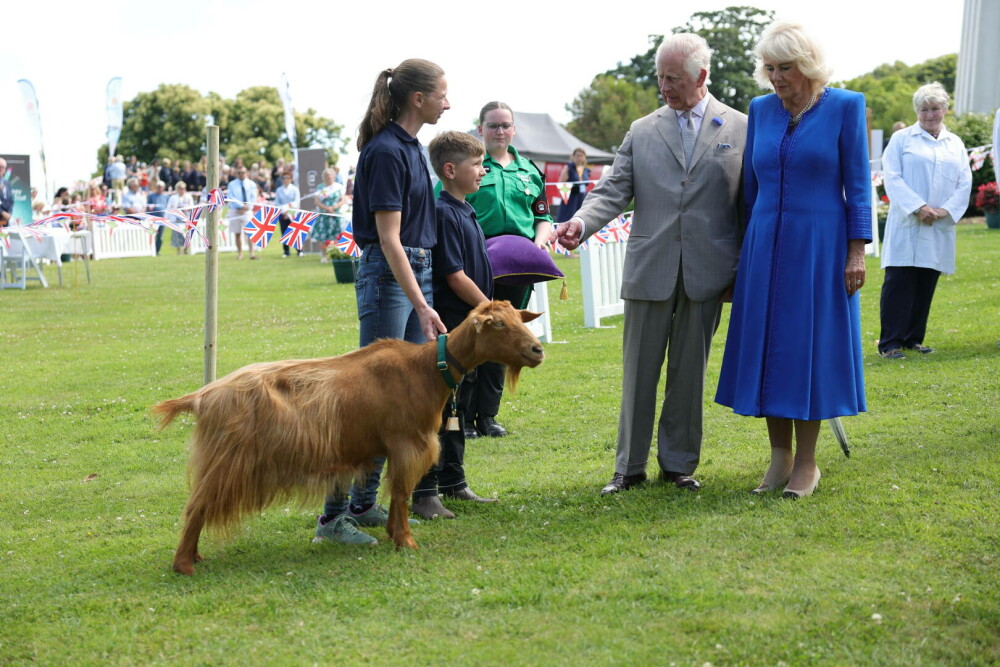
x=709, y=129
x=666, y=125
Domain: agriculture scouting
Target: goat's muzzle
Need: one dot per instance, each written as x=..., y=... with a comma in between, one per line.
x=533, y=355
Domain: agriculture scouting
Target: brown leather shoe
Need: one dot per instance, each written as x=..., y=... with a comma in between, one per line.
x=680, y=480
x=622, y=482
x=468, y=494
x=430, y=507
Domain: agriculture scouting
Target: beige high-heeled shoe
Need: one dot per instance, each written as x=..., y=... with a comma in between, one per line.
x=778, y=473
x=808, y=491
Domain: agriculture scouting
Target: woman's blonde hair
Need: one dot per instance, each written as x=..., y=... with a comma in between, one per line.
x=786, y=42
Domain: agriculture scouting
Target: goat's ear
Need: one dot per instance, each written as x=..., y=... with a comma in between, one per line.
x=479, y=321
x=527, y=315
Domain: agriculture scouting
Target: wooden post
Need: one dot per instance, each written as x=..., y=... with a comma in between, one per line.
x=212, y=258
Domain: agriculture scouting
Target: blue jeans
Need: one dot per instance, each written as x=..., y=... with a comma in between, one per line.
x=384, y=311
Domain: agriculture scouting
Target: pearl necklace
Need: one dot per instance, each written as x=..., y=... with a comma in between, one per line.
x=797, y=117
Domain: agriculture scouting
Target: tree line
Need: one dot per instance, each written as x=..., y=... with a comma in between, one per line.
x=603, y=111
x=170, y=122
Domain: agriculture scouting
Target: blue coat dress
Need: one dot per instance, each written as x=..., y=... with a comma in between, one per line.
x=794, y=343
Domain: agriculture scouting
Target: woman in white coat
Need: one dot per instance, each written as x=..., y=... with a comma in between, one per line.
x=928, y=181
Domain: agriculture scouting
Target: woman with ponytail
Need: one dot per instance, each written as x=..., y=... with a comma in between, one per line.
x=394, y=224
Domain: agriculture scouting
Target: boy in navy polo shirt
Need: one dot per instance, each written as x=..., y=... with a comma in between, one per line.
x=463, y=279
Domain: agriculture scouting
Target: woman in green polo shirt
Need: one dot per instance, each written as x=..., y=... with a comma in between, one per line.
x=510, y=200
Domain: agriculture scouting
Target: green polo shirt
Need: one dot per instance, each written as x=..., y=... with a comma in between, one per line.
x=510, y=197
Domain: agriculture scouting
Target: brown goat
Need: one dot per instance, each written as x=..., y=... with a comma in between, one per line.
x=272, y=430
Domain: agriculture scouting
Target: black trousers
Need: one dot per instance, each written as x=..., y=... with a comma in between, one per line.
x=448, y=474
x=489, y=388
x=907, y=292
x=284, y=221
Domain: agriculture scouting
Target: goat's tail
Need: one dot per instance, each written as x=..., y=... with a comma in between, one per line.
x=168, y=410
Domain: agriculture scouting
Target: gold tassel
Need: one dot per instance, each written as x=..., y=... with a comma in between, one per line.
x=563, y=293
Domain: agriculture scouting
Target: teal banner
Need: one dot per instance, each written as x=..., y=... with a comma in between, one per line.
x=18, y=174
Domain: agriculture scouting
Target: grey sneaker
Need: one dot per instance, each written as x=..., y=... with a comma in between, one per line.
x=342, y=530
x=375, y=516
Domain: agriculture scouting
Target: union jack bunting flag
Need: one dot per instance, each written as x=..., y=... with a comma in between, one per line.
x=63, y=217
x=137, y=219
x=558, y=249
x=150, y=219
x=554, y=246
x=26, y=229
x=612, y=232
x=298, y=229
x=171, y=220
x=192, y=216
x=260, y=227
x=192, y=225
x=978, y=156
x=345, y=242
x=596, y=239
x=626, y=223
x=215, y=199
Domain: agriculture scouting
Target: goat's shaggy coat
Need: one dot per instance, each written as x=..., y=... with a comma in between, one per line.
x=271, y=430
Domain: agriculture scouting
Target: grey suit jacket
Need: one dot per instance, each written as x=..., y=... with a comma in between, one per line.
x=695, y=215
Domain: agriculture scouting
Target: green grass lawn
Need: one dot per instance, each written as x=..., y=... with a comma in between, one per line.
x=893, y=561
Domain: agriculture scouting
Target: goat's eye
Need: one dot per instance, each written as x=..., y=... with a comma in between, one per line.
x=499, y=324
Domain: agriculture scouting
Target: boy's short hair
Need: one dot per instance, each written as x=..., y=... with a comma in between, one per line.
x=453, y=147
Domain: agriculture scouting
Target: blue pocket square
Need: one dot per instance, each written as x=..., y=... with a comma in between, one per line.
x=724, y=146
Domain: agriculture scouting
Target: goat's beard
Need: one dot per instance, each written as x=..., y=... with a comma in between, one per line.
x=513, y=374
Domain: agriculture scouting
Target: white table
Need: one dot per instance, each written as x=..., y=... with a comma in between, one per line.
x=25, y=251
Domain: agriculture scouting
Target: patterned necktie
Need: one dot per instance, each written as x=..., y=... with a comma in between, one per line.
x=688, y=137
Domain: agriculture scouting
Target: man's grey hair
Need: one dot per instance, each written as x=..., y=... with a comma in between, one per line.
x=693, y=48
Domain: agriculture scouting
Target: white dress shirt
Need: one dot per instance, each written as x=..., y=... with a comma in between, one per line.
x=921, y=170
x=697, y=115
x=242, y=191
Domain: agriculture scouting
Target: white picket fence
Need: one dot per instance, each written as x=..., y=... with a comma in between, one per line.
x=539, y=303
x=601, y=274
x=130, y=241
x=121, y=241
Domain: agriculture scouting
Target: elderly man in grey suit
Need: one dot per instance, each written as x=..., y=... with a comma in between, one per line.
x=683, y=166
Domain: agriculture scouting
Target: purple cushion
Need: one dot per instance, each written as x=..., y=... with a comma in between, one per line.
x=517, y=261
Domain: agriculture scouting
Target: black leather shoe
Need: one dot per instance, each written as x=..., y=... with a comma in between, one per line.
x=680, y=480
x=622, y=482
x=471, y=433
x=468, y=494
x=490, y=426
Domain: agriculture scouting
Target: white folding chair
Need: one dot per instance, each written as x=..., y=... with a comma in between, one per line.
x=16, y=261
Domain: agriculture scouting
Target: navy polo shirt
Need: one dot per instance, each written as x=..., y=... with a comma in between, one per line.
x=392, y=175
x=461, y=246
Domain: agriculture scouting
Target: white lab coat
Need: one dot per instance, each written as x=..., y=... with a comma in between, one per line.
x=921, y=170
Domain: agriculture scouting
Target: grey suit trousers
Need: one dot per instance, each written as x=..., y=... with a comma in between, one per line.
x=680, y=330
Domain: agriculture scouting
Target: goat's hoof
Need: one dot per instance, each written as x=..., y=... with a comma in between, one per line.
x=185, y=568
x=408, y=543
x=198, y=558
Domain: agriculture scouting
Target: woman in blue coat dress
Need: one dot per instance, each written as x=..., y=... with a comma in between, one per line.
x=793, y=354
